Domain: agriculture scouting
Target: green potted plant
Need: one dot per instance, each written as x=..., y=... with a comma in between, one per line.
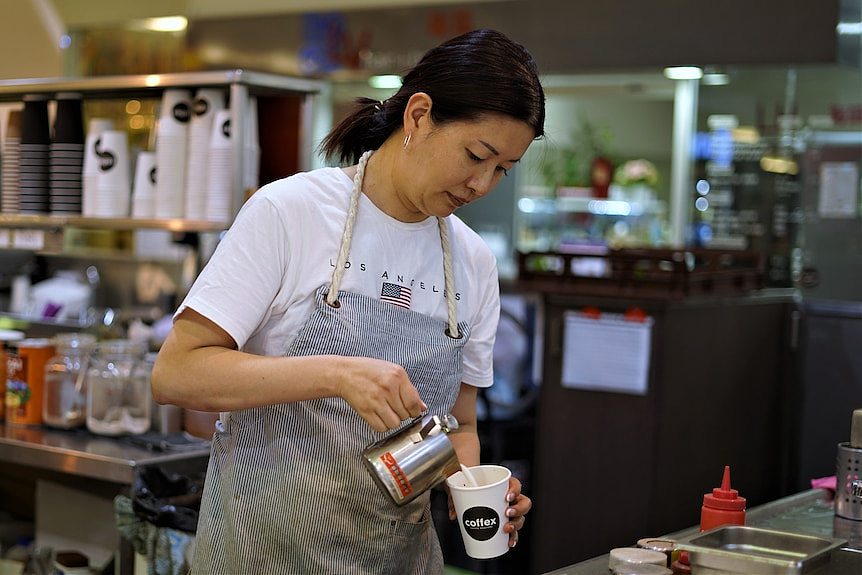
x=570, y=170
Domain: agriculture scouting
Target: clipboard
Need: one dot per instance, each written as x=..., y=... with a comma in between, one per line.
x=606, y=352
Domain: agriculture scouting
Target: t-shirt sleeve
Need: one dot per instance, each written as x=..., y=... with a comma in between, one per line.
x=237, y=286
x=479, y=351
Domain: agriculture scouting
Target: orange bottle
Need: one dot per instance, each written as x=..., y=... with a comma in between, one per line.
x=723, y=506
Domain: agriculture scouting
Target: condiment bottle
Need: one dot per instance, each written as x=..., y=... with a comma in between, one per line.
x=681, y=566
x=6, y=336
x=26, y=378
x=723, y=506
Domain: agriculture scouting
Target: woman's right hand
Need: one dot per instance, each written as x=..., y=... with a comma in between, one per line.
x=379, y=391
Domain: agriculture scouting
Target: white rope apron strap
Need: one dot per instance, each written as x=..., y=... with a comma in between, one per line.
x=347, y=237
x=448, y=278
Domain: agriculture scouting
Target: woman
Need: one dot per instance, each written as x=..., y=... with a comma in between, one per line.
x=343, y=303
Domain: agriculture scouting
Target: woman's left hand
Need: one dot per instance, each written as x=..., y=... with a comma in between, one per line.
x=519, y=506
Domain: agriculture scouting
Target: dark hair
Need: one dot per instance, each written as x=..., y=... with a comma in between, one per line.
x=479, y=72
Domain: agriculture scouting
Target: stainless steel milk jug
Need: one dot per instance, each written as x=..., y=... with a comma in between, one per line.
x=410, y=461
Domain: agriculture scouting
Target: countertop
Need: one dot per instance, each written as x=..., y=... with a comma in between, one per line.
x=81, y=453
x=809, y=512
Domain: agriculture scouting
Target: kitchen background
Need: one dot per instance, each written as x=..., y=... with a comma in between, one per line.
x=777, y=113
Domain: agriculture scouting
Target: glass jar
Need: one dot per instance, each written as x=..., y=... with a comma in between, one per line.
x=118, y=400
x=64, y=399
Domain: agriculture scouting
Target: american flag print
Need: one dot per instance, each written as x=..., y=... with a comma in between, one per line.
x=395, y=294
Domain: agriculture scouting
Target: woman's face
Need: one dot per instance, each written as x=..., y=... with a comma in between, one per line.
x=456, y=163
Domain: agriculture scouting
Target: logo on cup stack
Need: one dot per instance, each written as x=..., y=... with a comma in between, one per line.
x=481, y=523
x=201, y=107
x=106, y=158
x=181, y=112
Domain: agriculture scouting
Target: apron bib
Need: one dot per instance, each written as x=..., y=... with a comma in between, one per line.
x=286, y=490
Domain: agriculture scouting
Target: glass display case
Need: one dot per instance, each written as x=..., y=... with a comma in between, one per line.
x=567, y=223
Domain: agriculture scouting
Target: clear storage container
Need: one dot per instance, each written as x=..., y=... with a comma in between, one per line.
x=118, y=396
x=64, y=399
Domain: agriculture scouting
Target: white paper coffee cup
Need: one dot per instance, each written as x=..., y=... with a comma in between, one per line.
x=481, y=510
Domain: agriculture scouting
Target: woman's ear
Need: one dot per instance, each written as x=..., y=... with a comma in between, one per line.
x=417, y=112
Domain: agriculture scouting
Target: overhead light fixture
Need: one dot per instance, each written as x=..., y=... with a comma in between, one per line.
x=166, y=24
x=386, y=81
x=683, y=73
x=715, y=79
x=849, y=28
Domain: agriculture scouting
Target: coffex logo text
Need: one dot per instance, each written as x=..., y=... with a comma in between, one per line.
x=481, y=523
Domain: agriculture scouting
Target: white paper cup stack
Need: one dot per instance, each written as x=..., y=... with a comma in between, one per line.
x=144, y=186
x=113, y=185
x=11, y=162
x=207, y=103
x=171, y=145
x=220, y=169
x=95, y=129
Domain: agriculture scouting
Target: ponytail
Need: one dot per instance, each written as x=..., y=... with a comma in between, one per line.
x=364, y=129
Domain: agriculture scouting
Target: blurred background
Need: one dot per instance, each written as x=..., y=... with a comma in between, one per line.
x=713, y=147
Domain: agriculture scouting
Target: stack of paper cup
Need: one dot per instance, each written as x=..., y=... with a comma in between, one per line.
x=67, y=155
x=95, y=129
x=144, y=186
x=11, y=163
x=113, y=186
x=220, y=169
x=171, y=143
x=206, y=104
x=35, y=144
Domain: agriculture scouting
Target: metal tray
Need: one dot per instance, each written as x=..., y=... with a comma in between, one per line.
x=755, y=551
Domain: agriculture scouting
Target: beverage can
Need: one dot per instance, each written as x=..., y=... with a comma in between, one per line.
x=25, y=380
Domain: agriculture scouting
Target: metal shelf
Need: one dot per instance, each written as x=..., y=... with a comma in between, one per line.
x=86, y=455
x=144, y=85
x=19, y=221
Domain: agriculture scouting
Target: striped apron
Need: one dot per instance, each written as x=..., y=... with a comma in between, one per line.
x=286, y=490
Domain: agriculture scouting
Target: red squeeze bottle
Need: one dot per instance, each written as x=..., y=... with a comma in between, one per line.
x=723, y=506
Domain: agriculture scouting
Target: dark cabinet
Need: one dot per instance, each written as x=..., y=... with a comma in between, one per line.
x=611, y=468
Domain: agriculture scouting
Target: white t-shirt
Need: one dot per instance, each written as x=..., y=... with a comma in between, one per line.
x=259, y=286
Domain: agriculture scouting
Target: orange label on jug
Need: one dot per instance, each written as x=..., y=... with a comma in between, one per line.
x=26, y=375
x=397, y=474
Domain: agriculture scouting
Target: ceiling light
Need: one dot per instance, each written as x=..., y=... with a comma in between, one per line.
x=849, y=28
x=387, y=81
x=167, y=24
x=683, y=73
x=715, y=79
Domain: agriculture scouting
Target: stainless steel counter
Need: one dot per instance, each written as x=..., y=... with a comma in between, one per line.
x=809, y=512
x=86, y=455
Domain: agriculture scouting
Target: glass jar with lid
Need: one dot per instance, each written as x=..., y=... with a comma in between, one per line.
x=118, y=402
x=64, y=398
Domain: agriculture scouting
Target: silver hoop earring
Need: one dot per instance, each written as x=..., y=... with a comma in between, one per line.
x=407, y=139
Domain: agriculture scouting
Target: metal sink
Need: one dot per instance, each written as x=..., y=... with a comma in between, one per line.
x=756, y=551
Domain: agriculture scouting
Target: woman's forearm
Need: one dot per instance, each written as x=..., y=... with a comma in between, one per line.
x=220, y=379
x=466, y=444
x=200, y=368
